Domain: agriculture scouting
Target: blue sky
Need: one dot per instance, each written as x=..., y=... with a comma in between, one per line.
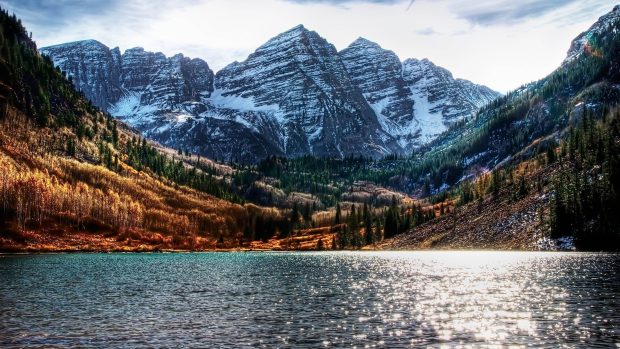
x=500, y=43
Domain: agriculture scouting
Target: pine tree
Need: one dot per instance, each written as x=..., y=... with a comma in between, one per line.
x=295, y=215
x=319, y=245
x=338, y=214
x=378, y=236
x=70, y=147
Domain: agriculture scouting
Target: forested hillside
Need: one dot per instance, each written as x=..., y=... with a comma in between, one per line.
x=564, y=129
x=68, y=168
x=565, y=197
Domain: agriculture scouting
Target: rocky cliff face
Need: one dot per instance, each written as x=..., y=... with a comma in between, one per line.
x=164, y=82
x=94, y=68
x=441, y=99
x=378, y=74
x=582, y=42
x=106, y=77
x=295, y=95
x=299, y=81
x=414, y=101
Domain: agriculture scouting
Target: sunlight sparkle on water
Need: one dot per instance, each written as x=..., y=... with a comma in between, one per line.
x=475, y=292
x=323, y=299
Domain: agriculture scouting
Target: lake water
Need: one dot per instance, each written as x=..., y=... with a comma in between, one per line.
x=299, y=300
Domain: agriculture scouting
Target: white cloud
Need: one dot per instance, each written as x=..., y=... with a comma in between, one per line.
x=496, y=43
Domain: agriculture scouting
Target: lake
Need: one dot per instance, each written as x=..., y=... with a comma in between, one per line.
x=299, y=300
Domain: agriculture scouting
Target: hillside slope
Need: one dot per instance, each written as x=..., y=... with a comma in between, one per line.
x=74, y=178
x=564, y=129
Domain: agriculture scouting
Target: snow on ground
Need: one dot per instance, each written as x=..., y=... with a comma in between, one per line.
x=181, y=118
x=429, y=124
x=243, y=104
x=468, y=161
x=387, y=125
x=236, y=117
x=127, y=105
x=315, y=133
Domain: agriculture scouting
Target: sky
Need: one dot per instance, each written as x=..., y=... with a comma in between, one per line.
x=499, y=43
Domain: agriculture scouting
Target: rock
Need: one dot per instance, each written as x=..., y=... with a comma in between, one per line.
x=294, y=96
x=582, y=42
x=298, y=80
x=378, y=74
x=93, y=67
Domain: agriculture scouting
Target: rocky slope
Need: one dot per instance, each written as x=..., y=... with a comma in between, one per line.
x=299, y=81
x=93, y=67
x=414, y=101
x=493, y=223
x=582, y=43
x=295, y=95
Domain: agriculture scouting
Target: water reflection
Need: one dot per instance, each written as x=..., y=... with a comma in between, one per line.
x=363, y=299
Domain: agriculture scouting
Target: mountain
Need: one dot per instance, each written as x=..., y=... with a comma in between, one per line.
x=583, y=43
x=298, y=79
x=378, y=73
x=543, y=159
x=74, y=178
x=439, y=93
x=95, y=69
x=106, y=77
x=414, y=101
x=294, y=96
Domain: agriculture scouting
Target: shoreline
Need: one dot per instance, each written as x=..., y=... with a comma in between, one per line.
x=2, y=253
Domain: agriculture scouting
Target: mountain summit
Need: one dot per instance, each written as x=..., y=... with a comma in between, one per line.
x=299, y=83
x=295, y=95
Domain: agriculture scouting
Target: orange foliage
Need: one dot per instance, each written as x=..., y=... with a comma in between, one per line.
x=39, y=186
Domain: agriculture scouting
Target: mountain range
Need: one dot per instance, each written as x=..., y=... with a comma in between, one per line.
x=295, y=95
x=537, y=168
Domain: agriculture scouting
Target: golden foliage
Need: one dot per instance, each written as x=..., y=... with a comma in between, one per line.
x=37, y=187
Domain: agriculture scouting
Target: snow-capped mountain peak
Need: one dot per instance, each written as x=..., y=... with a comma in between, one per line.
x=295, y=95
x=415, y=100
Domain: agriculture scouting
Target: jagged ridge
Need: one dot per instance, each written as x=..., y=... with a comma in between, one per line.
x=295, y=95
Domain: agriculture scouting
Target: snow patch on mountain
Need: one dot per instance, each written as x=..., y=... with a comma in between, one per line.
x=295, y=95
x=239, y=103
x=429, y=124
x=127, y=105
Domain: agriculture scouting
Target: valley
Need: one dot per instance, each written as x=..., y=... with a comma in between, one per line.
x=302, y=147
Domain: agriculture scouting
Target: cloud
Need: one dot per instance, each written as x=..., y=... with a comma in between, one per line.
x=426, y=31
x=480, y=12
x=60, y=12
x=505, y=12
x=343, y=2
x=499, y=43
